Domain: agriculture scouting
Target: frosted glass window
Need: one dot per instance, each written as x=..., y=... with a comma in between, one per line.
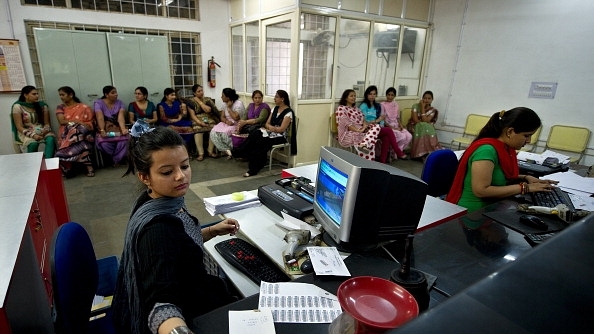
x=411, y=61
x=278, y=57
x=252, y=38
x=237, y=55
x=316, y=53
x=352, y=47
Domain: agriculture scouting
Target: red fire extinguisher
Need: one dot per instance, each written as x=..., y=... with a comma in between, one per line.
x=212, y=65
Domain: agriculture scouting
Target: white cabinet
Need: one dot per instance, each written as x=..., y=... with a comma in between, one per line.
x=88, y=61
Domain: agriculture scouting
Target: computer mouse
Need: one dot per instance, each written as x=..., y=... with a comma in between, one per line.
x=534, y=222
x=307, y=267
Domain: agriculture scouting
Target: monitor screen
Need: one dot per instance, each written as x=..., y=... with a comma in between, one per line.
x=330, y=190
x=361, y=204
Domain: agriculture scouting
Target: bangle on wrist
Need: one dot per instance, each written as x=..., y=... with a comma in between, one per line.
x=181, y=330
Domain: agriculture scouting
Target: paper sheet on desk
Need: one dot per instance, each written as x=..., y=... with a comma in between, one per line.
x=291, y=223
x=539, y=158
x=251, y=322
x=298, y=302
x=327, y=261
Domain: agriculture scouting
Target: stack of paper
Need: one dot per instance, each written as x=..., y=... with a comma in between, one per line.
x=231, y=202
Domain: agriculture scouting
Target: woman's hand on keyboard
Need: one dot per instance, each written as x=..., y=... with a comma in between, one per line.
x=531, y=179
x=539, y=186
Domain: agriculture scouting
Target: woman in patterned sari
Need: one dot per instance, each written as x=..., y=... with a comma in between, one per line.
x=31, y=123
x=111, y=124
x=76, y=140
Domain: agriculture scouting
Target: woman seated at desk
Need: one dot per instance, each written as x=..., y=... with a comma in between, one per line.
x=488, y=169
x=162, y=279
x=111, y=123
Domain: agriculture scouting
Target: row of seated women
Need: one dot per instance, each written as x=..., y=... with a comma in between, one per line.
x=191, y=118
x=361, y=127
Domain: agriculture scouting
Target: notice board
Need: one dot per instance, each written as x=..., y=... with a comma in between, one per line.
x=12, y=75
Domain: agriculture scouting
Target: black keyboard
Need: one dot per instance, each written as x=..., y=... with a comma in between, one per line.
x=250, y=261
x=553, y=198
x=537, y=238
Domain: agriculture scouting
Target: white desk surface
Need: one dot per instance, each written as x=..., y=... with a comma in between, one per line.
x=18, y=182
x=257, y=225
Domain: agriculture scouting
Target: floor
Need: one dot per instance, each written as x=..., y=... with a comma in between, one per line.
x=102, y=203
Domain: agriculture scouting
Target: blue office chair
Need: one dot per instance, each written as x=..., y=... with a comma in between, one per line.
x=77, y=277
x=439, y=171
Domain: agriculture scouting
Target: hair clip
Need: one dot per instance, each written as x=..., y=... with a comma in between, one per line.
x=139, y=128
x=501, y=114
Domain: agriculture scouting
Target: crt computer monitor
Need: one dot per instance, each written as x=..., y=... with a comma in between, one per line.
x=362, y=203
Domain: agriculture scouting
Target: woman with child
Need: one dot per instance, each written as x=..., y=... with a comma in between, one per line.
x=232, y=112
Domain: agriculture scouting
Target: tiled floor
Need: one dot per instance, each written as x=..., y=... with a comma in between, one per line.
x=102, y=203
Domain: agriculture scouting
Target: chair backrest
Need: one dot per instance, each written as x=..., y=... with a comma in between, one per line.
x=568, y=138
x=333, y=124
x=439, y=171
x=474, y=124
x=74, y=278
x=405, y=115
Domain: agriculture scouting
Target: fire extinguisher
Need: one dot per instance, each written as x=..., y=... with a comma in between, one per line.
x=212, y=65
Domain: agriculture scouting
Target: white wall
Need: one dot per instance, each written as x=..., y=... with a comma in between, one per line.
x=213, y=29
x=504, y=46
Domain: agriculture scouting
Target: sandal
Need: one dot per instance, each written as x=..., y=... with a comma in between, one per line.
x=248, y=174
x=212, y=155
x=229, y=155
x=90, y=173
x=200, y=157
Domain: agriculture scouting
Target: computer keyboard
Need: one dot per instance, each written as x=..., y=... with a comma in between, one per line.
x=553, y=198
x=251, y=261
x=537, y=238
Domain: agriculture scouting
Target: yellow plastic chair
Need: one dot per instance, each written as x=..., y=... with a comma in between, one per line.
x=405, y=115
x=570, y=139
x=531, y=146
x=474, y=124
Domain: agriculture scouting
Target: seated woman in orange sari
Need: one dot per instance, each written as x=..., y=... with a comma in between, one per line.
x=76, y=138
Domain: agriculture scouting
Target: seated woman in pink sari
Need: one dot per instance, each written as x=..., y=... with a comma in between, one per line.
x=77, y=126
x=353, y=130
x=391, y=113
x=111, y=123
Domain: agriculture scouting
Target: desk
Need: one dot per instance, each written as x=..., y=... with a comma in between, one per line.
x=32, y=205
x=259, y=228
x=460, y=252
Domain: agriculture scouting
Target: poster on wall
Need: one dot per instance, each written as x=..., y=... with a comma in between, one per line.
x=12, y=75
